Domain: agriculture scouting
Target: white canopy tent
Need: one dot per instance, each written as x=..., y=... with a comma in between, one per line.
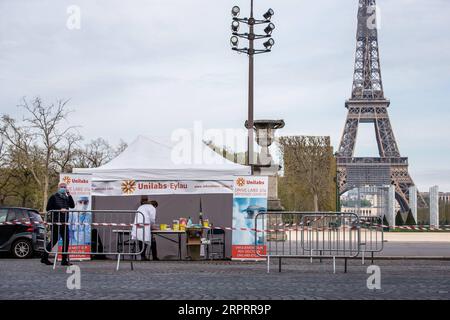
x=160, y=159
x=180, y=176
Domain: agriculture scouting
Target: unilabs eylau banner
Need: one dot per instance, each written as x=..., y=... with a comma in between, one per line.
x=79, y=186
x=249, y=198
x=137, y=187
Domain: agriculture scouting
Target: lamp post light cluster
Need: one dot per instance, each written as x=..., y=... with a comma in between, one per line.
x=251, y=36
x=251, y=22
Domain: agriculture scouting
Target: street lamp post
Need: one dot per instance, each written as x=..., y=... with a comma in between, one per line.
x=336, y=180
x=251, y=51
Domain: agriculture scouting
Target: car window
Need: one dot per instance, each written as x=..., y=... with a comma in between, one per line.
x=22, y=215
x=35, y=216
x=17, y=215
x=11, y=215
x=3, y=214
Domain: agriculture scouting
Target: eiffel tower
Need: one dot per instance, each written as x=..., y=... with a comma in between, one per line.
x=368, y=105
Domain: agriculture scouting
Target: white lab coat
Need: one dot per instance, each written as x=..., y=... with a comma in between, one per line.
x=140, y=233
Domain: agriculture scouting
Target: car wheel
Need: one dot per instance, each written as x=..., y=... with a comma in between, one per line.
x=22, y=249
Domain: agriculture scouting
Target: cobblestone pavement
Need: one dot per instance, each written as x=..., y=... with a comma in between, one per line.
x=400, y=279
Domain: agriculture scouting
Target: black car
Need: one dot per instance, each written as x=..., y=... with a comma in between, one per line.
x=21, y=232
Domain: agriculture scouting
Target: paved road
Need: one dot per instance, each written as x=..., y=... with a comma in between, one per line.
x=389, y=249
x=429, y=244
x=416, y=249
x=400, y=279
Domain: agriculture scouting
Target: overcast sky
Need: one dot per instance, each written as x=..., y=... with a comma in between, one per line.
x=152, y=66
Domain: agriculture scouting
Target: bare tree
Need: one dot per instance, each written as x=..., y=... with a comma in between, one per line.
x=23, y=187
x=66, y=154
x=119, y=149
x=94, y=154
x=308, y=162
x=17, y=143
x=2, y=152
x=5, y=173
x=35, y=150
x=3, y=155
x=38, y=140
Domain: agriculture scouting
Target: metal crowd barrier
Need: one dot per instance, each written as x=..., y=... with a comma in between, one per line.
x=372, y=236
x=322, y=235
x=110, y=233
x=331, y=234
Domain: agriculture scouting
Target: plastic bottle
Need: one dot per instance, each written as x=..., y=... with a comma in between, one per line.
x=189, y=223
x=200, y=218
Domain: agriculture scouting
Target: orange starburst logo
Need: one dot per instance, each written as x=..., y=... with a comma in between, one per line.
x=128, y=186
x=240, y=182
x=67, y=180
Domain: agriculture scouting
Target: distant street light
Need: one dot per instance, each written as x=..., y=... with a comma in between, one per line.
x=234, y=41
x=251, y=51
x=268, y=15
x=235, y=11
x=269, y=43
x=269, y=29
x=235, y=26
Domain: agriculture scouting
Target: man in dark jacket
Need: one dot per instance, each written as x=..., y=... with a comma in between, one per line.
x=61, y=201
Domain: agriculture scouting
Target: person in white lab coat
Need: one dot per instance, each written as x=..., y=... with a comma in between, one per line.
x=144, y=234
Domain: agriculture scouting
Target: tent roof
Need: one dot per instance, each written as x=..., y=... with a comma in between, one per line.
x=162, y=159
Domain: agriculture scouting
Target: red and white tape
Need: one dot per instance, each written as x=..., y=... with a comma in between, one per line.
x=288, y=227
x=112, y=224
x=103, y=224
x=412, y=227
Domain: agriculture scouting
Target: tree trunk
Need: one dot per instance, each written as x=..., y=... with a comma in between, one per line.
x=24, y=201
x=45, y=193
x=316, y=202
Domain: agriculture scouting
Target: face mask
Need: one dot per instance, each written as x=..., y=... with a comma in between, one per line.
x=62, y=190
